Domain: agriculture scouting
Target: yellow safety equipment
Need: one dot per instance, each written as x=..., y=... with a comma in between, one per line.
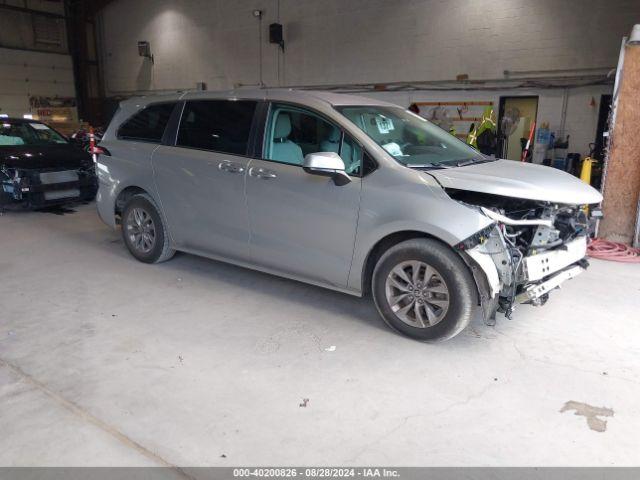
x=585, y=176
x=585, y=173
x=472, y=138
x=487, y=122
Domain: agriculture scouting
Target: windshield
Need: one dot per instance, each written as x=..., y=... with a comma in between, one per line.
x=409, y=138
x=28, y=133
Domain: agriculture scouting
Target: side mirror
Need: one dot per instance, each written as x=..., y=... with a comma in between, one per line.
x=327, y=164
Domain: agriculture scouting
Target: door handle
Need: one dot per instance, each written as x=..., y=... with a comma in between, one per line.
x=262, y=173
x=230, y=167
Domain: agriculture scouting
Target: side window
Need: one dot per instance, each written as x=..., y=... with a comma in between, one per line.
x=217, y=125
x=148, y=124
x=292, y=133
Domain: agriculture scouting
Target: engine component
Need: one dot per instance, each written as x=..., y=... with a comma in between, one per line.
x=571, y=223
x=510, y=221
x=545, y=237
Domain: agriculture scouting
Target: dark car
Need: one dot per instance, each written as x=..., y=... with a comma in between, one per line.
x=39, y=167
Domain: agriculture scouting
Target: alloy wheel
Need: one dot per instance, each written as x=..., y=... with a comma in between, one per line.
x=140, y=230
x=417, y=294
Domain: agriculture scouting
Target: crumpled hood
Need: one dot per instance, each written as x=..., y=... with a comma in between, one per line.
x=511, y=178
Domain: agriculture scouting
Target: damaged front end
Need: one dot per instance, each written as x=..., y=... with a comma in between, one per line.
x=34, y=188
x=530, y=249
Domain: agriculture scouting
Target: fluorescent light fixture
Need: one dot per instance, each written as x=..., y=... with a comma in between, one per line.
x=28, y=116
x=4, y=115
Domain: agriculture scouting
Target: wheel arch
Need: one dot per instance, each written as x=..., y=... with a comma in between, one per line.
x=381, y=246
x=124, y=196
x=388, y=241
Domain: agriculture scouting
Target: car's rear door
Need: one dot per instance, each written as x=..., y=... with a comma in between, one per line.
x=201, y=177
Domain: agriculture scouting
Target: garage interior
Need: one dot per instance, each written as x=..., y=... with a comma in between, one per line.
x=108, y=362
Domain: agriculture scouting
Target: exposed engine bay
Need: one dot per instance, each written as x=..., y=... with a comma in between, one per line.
x=533, y=245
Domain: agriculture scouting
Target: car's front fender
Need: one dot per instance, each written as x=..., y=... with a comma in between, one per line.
x=407, y=201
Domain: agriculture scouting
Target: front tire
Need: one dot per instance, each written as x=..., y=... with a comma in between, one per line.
x=424, y=290
x=144, y=231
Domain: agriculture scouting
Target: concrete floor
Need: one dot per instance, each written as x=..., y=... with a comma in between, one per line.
x=107, y=361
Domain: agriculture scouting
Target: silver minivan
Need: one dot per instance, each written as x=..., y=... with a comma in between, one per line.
x=343, y=192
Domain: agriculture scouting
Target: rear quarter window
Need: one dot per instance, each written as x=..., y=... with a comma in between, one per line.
x=217, y=125
x=147, y=125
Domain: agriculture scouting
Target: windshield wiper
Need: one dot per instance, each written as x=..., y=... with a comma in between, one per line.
x=428, y=165
x=464, y=163
x=471, y=161
x=450, y=163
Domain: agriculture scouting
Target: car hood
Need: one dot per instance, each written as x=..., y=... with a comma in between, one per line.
x=519, y=180
x=43, y=157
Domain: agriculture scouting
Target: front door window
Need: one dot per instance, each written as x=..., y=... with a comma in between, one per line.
x=293, y=133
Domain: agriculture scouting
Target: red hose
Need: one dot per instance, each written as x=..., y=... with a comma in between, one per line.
x=617, y=252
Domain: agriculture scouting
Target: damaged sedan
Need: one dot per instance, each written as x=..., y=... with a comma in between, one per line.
x=344, y=192
x=40, y=168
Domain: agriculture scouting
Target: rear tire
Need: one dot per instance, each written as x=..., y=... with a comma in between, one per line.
x=424, y=290
x=144, y=231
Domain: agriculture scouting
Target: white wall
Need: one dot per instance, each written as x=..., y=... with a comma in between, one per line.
x=355, y=41
x=366, y=41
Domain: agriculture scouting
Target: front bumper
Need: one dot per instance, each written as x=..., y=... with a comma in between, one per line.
x=42, y=188
x=536, y=291
x=537, y=267
x=507, y=280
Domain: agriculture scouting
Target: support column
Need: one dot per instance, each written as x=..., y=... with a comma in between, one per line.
x=622, y=187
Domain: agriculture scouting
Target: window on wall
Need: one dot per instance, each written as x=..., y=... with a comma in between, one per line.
x=47, y=30
x=147, y=125
x=217, y=125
